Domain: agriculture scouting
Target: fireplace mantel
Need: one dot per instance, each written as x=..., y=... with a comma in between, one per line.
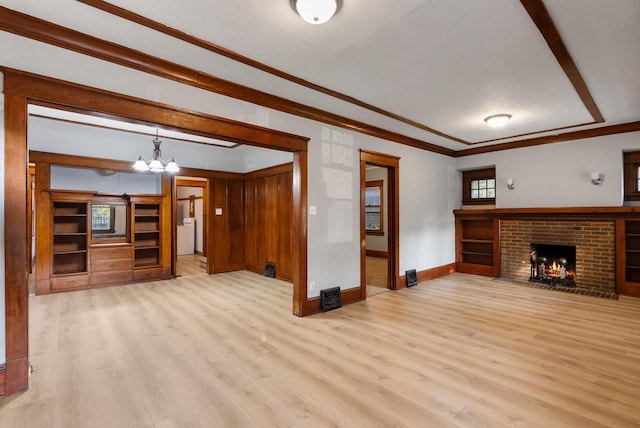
x=612, y=234
x=569, y=213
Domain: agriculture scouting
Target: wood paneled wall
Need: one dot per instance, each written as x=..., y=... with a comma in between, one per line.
x=268, y=220
x=225, y=247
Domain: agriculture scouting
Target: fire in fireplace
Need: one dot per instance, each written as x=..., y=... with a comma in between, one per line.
x=553, y=264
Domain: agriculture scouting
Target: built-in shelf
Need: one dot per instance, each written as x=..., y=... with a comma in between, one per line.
x=632, y=253
x=476, y=245
x=146, y=232
x=69, y=246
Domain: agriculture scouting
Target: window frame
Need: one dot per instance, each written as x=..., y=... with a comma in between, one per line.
x=477, y=174
x=380, y=185
x=631, y=166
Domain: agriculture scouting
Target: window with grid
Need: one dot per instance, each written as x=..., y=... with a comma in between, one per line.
x=479, y=186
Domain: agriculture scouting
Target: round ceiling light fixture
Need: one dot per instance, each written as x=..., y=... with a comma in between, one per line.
x=497, y=120
x=316, y=11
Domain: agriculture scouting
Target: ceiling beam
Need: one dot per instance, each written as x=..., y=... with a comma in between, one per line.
x=37, y=29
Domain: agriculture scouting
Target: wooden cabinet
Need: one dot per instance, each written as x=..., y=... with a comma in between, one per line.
x=70, y=257
x=111, y=264
x=147, y=236
x=628, y=256
x=69, y=249
x=477, y=244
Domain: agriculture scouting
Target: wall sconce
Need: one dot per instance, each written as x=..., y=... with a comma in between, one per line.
x=597, y=178
x=511, y=184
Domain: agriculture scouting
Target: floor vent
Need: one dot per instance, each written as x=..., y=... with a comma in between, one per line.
x=270, y=270
x=330, y=298
x=412, y=277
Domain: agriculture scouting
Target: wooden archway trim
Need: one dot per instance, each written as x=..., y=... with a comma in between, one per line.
x=67, y=95
x=392, y=163
x=22, y=88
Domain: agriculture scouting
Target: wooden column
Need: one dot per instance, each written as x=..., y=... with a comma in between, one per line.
x=43, y=228
x=15, y=232
x=299, y=234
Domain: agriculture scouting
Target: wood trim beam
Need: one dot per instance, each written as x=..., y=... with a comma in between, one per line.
x=235, y=56
x=377, y=253
x=535, y=8
x=272, y=170
x=540, y=16
x=43, y=31
x=429, y=274
x=568, y=213
x=15, y=233
x=118, y=165
x=186, y=182
x=558, y=138
x=46, y=89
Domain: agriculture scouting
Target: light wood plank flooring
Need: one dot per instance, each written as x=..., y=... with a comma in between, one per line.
x=225, y=351
x=189, y=265
x=376, y=270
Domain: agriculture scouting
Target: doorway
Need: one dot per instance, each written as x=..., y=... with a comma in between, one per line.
x=190, y=226
x=379, y=226
x=20, y=90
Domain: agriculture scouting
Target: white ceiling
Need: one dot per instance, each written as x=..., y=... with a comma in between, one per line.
x=445, y=64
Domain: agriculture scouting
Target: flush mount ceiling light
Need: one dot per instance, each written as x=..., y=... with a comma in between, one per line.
x=497, y=120
x=316, y=11
x=157, y=163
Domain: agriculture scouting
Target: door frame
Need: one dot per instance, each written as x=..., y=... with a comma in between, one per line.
x=188, y=181
x=23, y=88
x=392, y=164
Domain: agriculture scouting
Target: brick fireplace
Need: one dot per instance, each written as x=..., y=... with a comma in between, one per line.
x=594, y=242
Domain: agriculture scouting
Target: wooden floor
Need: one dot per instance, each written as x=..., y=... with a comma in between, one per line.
x=189, y=265
x=225, y=351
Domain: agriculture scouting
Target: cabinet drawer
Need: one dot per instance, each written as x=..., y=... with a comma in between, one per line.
x=107, y=253
x=113, y=277
x=69, y=282
x=110, y=265
x=147, y=274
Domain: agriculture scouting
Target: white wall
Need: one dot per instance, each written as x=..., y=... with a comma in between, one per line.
x=558, y=175
x=71, y=178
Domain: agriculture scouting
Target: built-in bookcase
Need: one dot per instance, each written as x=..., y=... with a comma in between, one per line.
x=69, y=237
x=632, y=250
x=477, y=246
x=147, y=236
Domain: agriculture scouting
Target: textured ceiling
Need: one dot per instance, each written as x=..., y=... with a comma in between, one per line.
x=441, y=64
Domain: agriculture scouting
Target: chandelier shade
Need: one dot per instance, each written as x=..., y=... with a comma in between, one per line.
x=157, y=163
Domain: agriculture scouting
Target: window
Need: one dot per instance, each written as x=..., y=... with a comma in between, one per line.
x=102, y=218
x=479, y=186
x=373, y=208
x=631, y=176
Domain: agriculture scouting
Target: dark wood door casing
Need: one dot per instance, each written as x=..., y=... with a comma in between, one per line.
x=392, y=164
x=20, y=89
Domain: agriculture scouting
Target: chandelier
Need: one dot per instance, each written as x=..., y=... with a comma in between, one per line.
x=157, y=163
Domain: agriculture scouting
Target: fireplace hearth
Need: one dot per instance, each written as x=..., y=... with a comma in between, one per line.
x=553, y=264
